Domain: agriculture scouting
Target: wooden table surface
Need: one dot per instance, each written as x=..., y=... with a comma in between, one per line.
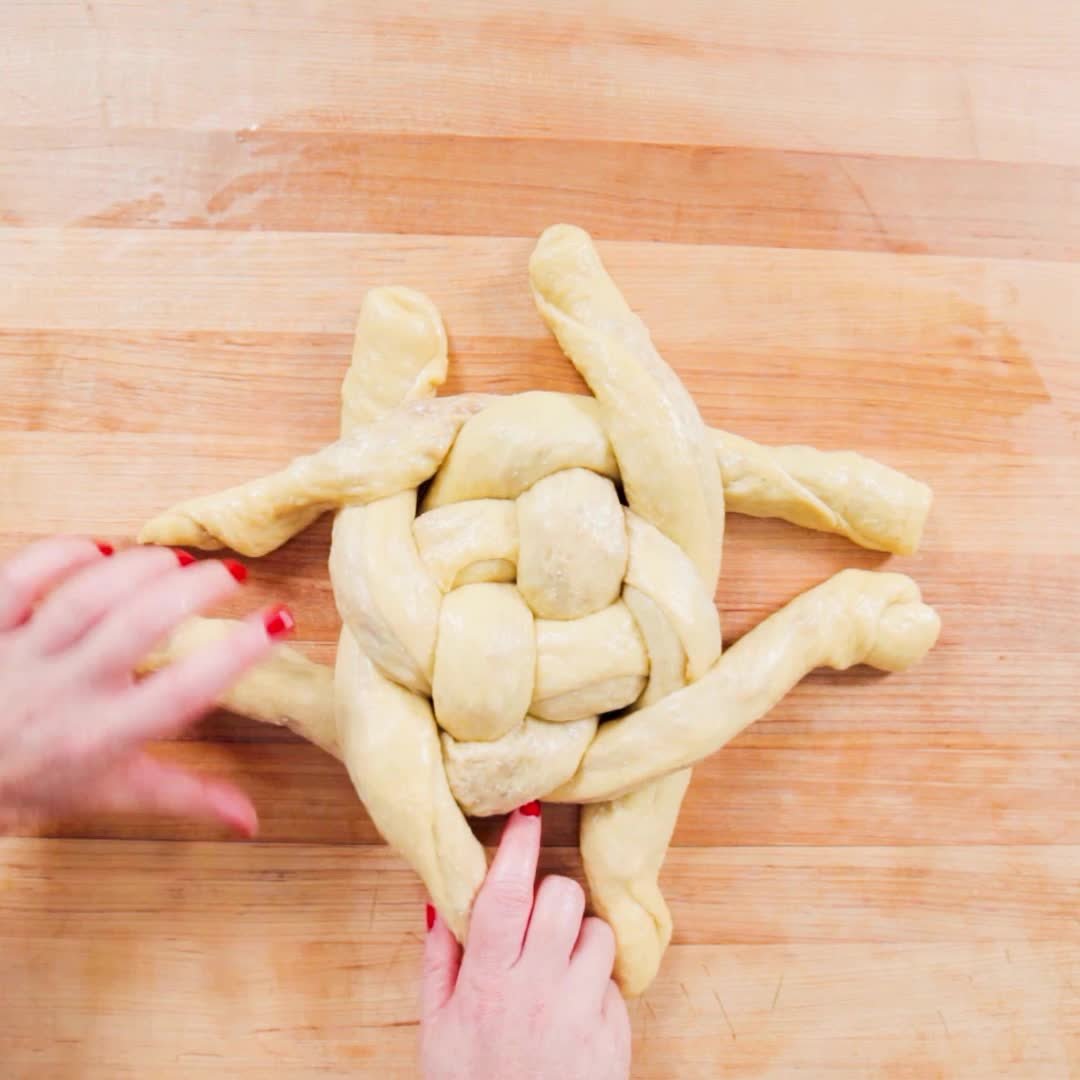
x=854, y=223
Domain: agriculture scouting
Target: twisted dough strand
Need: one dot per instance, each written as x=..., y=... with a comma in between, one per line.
x=668, y=469
x=388, y=735
x=398, y=452
x=856, y=617
x=835, y=491
x=623, y=844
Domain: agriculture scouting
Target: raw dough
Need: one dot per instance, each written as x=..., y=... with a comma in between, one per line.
x=485, y=639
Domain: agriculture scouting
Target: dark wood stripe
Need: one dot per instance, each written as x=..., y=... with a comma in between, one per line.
x=966, y=388
x=444, y=184
x=840, y=796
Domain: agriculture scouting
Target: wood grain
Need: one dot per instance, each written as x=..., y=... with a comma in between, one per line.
x=642, y=73
x=475, y=185
x=849, y=224
x=331, y=989
x=874, y=795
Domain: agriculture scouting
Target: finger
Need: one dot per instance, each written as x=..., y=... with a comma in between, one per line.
x=502, y=907
x=593, y=958
x=85, y=598
x=27, y=576
x=146, y=785
x=556, y=922
x=167, y=701
x=442, y=960
x=132, y=628
x=617, y=1020
x=614, y=1005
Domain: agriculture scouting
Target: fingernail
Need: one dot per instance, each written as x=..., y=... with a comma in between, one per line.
x=105, y=549
x=183, y=557
x=278, y=621
x=531, y=809
x=238, y=570
x=429, y=915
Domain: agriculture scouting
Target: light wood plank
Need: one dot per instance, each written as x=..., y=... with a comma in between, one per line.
x=310, y=961
x=650, y=74
x=728, y=297
x=902, y=1012
x=911, y=1011
x=993, y=30
x=825, y=895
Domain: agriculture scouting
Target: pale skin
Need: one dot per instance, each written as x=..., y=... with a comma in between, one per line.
x=531, y=998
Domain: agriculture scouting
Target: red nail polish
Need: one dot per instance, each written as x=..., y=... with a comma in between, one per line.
x=183, y=557
x=105, y=549
x=531, y=809
x=238, y=570
x=429, y=915
x=278, y=621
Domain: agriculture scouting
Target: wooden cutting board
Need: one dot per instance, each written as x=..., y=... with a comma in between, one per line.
x=854, y=224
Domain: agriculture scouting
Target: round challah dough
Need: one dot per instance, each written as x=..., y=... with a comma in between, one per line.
x=526, y=585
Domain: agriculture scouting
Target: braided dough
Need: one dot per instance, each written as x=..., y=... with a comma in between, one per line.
x=545, y=627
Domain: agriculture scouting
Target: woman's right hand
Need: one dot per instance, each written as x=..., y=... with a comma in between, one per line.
x=73, y=720
x=531, y=998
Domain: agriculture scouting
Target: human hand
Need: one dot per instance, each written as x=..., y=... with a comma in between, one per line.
x=532, y=997
x=73, y=720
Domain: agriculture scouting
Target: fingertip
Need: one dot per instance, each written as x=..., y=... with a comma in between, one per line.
x=524, y=819
x=613, y=1001
x=438, y=929
x=278, y=622
x=594, y=951
x=273, y=623
x=523, y=827
x=442, y=961
x=249, y=829
x=229, y=805
x=236, y=570
x=236, y=811
x=184, y=558
x=147, y=784
x=522, y=830
x=172, y=697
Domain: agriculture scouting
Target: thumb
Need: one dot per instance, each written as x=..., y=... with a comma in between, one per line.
x=442, y=959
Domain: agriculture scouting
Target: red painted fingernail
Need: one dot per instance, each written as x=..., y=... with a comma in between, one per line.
x=105, y=549
x=183, y=557
x=429, y=915
x=278, y=621
x=238, y=570
x=531, y=809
